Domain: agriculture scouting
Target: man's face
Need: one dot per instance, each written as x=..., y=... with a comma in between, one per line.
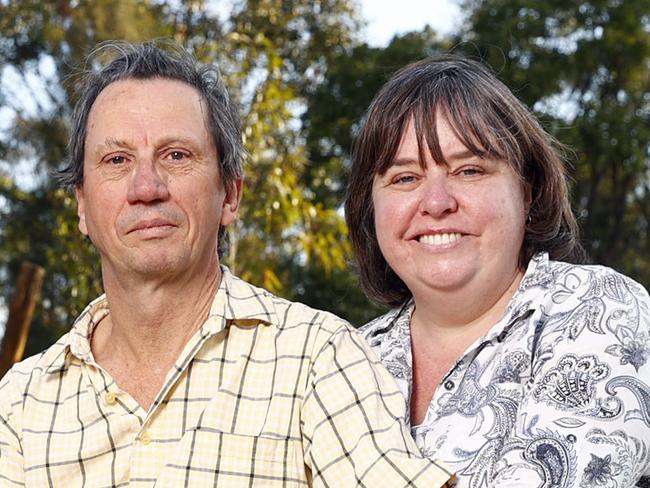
x=152, y=198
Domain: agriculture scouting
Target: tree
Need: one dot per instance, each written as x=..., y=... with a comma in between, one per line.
x=338, y=103
x=270, y=53
x=585, y=68
x=335, y=108
x=41, y=44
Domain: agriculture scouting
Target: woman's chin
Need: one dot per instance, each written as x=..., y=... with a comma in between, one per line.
x=448, y=278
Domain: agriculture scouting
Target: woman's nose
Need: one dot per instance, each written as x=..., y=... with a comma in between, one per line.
x=437, y=196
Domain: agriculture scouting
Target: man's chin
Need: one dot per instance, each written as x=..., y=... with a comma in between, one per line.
x=160, y=265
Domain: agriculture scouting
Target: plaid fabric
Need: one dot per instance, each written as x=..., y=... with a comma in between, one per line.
x=267, y=393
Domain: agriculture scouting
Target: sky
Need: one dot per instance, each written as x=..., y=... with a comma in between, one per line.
x=389, y=17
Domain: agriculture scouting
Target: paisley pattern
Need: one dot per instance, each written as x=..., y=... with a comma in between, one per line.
x=571, y=385
x=556, y=394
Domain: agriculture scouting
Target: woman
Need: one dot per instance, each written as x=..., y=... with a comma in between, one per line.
x=519, y=368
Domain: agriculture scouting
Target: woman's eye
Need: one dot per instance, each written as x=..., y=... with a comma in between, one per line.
x=404, y=179
x=472, y=171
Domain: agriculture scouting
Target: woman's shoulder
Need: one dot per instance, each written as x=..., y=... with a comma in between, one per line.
x=379, y=327
x=581, y=280
x=594, y=305
x=606, y=281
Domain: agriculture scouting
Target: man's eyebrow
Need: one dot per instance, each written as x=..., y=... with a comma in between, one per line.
x=176, y=140
x=111, y=144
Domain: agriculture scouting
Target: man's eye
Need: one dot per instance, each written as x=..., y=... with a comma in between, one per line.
x=117, y=159
x=177, y=155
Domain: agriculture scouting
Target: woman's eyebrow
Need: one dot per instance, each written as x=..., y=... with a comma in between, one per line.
x=404, y=161
x=461, y=154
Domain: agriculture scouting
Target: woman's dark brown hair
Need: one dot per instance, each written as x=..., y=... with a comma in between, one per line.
x=492, y=123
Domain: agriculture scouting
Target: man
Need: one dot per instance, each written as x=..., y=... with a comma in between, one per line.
x=182, y=374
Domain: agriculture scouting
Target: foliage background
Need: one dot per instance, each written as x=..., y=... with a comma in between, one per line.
x=303, y=78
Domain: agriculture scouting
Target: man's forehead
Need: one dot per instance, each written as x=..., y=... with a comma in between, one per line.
x=126, y=86
x=135, y=97
x=131, y=114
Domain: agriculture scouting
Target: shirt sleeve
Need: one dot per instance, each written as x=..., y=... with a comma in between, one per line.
x=352, y=422
x=585, y=417
x=11, y=456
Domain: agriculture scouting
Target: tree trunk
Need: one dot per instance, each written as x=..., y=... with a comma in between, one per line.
x=21, y=311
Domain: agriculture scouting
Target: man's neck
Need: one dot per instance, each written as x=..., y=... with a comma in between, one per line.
x=148, y=326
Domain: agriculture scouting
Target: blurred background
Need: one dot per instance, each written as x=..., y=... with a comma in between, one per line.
x=303, y=72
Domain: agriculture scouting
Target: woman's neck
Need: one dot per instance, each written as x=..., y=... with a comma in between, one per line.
x=459, y=313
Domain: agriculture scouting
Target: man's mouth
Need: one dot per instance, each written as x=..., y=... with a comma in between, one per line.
x=151, y=224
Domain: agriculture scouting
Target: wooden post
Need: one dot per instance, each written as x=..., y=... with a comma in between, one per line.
x=21, y=311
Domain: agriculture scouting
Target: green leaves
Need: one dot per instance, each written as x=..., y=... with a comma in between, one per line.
x=270, y=53
x=303, y=81
x=586, y=65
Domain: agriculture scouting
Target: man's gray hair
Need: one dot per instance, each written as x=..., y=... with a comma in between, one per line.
x=118, y=60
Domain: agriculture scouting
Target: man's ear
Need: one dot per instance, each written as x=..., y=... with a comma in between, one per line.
x=231, y=201
x=81, y=208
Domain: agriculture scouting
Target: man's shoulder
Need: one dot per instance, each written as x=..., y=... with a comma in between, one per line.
x=296, y=329
x=28, y=373
x=281, y=312
x=293, y=312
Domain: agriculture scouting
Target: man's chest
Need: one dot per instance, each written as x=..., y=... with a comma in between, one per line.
x=219, y=422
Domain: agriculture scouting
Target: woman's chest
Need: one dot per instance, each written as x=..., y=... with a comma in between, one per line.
x=475, y=405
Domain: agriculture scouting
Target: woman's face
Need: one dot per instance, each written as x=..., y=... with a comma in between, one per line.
x=451, y=226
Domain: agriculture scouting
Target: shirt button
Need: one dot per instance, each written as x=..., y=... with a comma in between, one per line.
x=449, y=385
x=110, y=398
x=145, y=438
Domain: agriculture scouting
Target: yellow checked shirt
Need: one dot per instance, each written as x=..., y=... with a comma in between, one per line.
x=267, y=393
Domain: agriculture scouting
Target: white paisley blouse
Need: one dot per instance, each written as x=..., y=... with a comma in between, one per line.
x=556, y=394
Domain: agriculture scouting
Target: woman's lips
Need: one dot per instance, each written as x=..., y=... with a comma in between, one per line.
x=439, y=239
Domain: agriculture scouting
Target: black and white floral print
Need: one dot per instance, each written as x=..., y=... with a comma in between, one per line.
x=555, y=395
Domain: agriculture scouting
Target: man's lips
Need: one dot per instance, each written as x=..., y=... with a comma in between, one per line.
x=151, y=224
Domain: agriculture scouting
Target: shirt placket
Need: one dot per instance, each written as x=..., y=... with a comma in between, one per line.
x=149, y=454
x=454, y=378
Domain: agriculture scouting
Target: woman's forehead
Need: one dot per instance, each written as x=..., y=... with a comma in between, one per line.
x=433, y=138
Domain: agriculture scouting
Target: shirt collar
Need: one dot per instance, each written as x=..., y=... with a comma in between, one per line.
x=525, y=300
x=235, y=300
x=77, y=342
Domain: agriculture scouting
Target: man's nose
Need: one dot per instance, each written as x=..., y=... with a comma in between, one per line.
x=438, y=196
x=147, y=184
